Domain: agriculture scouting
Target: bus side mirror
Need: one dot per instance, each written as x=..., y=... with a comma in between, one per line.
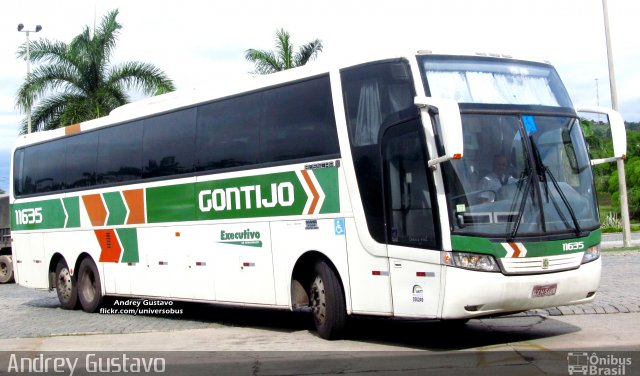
x=618, y=132
x=450, y=125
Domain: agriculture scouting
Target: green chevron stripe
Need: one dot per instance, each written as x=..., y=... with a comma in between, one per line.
x=72, y=206
x=129, y=240
x=328, y=179
x=116, y=208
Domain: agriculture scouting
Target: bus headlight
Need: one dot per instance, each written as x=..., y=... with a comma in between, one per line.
x=591, y=254
x=471, y=261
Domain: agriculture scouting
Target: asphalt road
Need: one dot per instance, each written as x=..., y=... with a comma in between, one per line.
x=614, y=240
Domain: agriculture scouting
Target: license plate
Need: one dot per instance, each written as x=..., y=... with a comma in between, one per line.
x=544, y=290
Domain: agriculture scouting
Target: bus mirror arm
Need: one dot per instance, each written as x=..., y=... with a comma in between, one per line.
x=604, y=160
x=432, y=163
x=448, y=126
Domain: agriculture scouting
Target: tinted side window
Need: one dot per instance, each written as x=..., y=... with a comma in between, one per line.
x=81, y=160
x=411, y=215
x=44, y=167
x=119, y=153
x=18, y=173
x=169, y=143
x=228, y=133
x=298, y=122
x=375, y=95
x=30, y=167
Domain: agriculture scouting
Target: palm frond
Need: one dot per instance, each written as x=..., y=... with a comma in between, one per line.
x=43, y=50
x=46, y=114
x=308, y=52
x=106, y=35
x=284, y=48
x=143, y=76
x=266, y=62
x=45, y=79
x=76, y=83
x=282, y=58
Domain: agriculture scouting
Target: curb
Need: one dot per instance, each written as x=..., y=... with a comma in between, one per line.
x=581, y=309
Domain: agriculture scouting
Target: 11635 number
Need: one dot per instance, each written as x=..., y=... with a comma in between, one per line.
x=28, y=216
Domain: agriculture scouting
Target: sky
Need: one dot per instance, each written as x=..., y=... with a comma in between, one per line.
x=200, y=44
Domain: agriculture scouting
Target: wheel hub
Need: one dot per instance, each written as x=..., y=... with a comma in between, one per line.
x=318, y=300
x=64, y=281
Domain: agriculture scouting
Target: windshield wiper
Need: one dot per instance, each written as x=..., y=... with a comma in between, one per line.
x=576, y=223
x=545, y=170
x=528, y=181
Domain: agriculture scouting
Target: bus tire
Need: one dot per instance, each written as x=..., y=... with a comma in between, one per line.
x=6, y=269
x=327, y=302
x=66, y=286
x=89, y=286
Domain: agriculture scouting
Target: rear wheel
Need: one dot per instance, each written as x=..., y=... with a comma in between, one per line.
x=66, y=286
x=327, y=302
x=6, y=269
x=89, y=286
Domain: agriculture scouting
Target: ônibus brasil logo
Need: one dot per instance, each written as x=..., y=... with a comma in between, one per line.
x=583, y=363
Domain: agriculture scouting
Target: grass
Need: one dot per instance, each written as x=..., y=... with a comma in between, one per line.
x=610, y=216
x=614, y=229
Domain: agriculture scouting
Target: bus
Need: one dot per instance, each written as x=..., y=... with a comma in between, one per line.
x=362, y=189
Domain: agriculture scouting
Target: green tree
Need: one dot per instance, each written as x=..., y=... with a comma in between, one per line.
x=77, y=82
x=283, y=57
x=632, y=174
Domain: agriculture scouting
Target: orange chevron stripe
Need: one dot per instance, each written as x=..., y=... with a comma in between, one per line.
x=72, y=129
x=109, y=245
x=135, y=202
x=95, y=208
x=516, y=250
x=314, y=192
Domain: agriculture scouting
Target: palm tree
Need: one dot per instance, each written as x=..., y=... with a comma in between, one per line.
x=79, y=80
x=283, y=57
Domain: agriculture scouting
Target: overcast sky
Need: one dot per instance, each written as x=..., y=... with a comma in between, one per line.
x=201, y=43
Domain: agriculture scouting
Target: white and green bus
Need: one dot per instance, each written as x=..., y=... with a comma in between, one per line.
x=428, y=186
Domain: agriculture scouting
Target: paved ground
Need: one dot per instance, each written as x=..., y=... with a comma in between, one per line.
x=30, y=313
x=619, y=290
x=614, y=240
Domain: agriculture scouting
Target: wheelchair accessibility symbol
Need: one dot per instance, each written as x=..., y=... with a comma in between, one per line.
x=338, y=225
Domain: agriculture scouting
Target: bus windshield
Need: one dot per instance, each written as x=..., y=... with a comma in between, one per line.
x=525, y=171
x=470, y=80
x=521, y=175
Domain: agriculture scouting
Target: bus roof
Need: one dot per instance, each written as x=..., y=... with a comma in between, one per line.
x=185, y=98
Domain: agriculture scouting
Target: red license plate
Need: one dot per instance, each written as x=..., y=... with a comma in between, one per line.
x=544, y=290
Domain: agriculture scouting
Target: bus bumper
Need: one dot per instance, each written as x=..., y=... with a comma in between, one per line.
x=474, y=294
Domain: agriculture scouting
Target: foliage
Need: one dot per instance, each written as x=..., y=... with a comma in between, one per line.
x=76, y=81
x=283, y=57
x=598, y=138
x=611, y=220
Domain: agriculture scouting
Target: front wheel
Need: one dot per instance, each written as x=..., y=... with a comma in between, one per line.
x=327, y=302
x=89, y=286
x=6, y=269
x=66, y=286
